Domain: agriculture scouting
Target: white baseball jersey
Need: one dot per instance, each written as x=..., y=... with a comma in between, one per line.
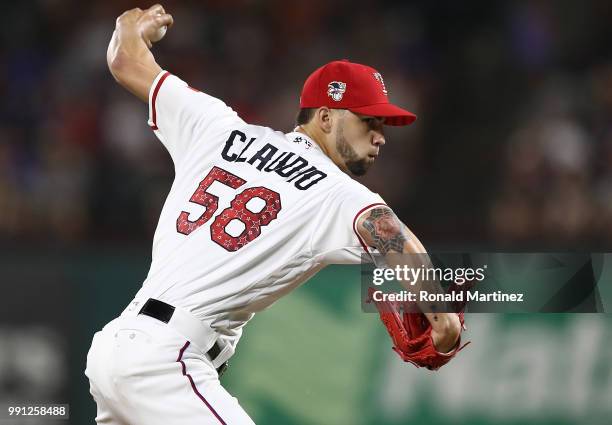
x=252, y=213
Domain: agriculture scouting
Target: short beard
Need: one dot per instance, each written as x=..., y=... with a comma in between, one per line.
x=357, y=166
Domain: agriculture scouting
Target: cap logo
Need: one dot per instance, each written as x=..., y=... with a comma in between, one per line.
x=381, y=81
x=336, y=90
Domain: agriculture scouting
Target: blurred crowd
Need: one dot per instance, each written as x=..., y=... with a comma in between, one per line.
x=513, y=145
x=556, y=176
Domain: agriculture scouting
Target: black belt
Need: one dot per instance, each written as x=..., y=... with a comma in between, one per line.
x=163, y=312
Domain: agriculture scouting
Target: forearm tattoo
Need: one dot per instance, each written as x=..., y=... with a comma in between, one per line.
x=386, y=230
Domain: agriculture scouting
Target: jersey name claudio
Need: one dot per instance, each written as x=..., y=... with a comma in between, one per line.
x=268, y=159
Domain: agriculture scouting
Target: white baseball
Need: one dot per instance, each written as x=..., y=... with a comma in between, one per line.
x=159, y=34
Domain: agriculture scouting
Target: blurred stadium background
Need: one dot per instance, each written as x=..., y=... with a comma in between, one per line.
x=512, y=151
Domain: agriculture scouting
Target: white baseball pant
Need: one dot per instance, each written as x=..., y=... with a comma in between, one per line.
x=143, y=372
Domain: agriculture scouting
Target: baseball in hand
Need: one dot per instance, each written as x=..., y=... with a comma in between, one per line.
x=159, y=34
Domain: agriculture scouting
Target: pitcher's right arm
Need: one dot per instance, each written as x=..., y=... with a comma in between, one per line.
x=129, y=57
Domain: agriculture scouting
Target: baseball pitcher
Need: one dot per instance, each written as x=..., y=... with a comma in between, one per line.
x=252, y=214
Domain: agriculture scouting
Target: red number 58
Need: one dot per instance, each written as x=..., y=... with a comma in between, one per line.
x=253, y=221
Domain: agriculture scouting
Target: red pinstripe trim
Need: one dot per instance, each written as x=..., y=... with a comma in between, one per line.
x=193, y=386
x=154, y=98
x=361, y=211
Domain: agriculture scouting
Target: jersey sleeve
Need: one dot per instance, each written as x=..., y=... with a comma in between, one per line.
x=182, y=116
x=336, y=240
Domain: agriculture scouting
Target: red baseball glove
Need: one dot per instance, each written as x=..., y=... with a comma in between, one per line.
x=411, y=335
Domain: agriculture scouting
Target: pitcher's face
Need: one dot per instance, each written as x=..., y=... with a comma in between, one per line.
x=358, y=141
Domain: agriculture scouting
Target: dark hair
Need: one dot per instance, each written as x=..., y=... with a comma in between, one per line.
x=305, y=115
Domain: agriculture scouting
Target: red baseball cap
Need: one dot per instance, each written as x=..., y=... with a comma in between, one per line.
x=358, y=88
